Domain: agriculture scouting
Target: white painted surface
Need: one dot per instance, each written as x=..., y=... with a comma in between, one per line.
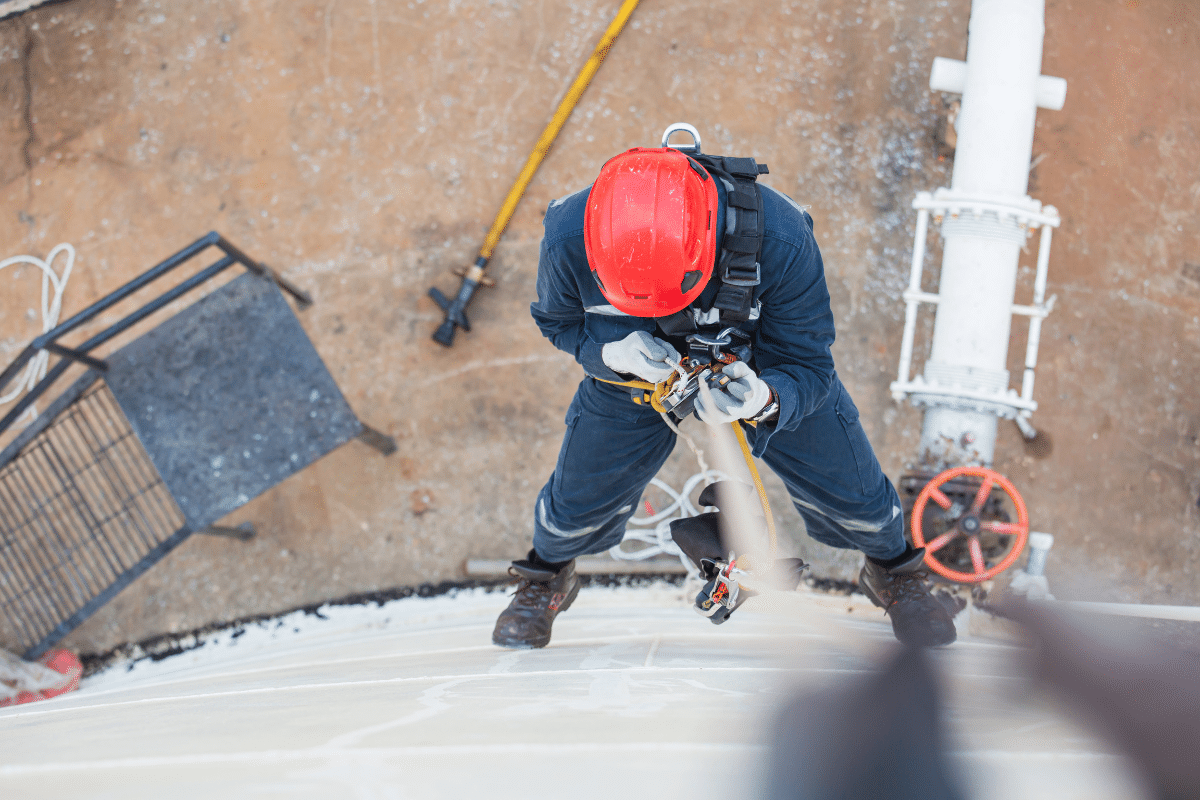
x=637, y=696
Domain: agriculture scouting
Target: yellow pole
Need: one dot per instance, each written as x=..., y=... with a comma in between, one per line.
x=556, y=123
x=456, y=308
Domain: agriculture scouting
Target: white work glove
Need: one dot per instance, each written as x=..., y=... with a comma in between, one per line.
x=642, y=355
x=742, y=398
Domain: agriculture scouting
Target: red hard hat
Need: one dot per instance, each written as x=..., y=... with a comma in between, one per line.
x=650, y=231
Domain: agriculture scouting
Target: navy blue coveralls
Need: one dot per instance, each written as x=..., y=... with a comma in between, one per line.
x=613, y=446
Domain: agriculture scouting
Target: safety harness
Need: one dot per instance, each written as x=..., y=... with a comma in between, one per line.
x=737, y=266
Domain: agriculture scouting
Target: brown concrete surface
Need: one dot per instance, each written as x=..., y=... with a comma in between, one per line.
x=362, y=146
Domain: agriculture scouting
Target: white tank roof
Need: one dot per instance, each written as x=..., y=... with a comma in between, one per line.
x=637, y=696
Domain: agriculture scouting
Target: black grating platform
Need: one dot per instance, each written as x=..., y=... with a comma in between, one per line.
x=81, y=508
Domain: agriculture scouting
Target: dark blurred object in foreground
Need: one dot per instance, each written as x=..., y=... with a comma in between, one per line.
x=883, y=735
x=1140, y=691
x=880, y=737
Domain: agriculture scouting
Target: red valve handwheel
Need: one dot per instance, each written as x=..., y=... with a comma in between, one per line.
x=969, y=525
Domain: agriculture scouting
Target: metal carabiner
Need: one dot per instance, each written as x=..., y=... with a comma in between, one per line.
x=713, y=343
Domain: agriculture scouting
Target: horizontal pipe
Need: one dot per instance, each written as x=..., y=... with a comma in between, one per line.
x=912, y=387
x=950, y=75
x=597, y=565
x=922, y=297
x=1181, y=613
x=912, y=298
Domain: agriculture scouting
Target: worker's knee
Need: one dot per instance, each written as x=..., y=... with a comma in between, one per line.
x=561, y=533
x=875, y=528
x=565, y=519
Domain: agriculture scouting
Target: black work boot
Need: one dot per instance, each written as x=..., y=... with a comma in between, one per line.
x=541, y=595
x=899, y=589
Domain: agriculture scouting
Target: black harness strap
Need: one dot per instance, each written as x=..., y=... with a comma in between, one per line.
x=737, y=266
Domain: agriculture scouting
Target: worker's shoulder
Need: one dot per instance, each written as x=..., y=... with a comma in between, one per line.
x=564, y=217
x=784, y=218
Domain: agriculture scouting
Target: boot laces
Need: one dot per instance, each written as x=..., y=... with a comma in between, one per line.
x=529, y=592
x=909, y=586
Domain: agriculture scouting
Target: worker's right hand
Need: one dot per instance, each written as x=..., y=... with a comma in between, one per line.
x=641, y=355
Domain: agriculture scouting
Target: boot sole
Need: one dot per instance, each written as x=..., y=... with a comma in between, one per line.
x=537, y=644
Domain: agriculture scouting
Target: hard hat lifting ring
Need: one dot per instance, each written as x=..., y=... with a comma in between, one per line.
x=682, y=127
x=970, y=525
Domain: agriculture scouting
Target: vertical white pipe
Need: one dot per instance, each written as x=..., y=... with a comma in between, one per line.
x=981, y=252
x=974, y=316
x=914, y=285
x=999, y=100
x=1043, y=265
x=1035, y=323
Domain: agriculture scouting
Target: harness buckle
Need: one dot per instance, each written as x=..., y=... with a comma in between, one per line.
x=728, y=278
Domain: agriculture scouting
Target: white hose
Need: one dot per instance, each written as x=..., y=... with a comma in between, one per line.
x=655, y=531
x=35, y=370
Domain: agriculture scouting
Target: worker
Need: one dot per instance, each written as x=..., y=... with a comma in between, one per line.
x=669, y=242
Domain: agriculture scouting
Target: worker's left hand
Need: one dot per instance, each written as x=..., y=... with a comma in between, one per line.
x=742, y=398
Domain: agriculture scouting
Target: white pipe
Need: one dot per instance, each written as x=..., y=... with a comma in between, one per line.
x=1035, y=322
x=982, y=395
x=950, y=75
x=999, y=98
x=1051, y=92
x=1182, y=613
x=1000, y=93
x=933, y=299
x=914, y=287
x=974, y=315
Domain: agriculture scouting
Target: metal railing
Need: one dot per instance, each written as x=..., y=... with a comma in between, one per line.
x=946, y=204
x=81, y=353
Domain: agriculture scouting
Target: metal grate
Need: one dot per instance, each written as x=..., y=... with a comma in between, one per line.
x=83, y=512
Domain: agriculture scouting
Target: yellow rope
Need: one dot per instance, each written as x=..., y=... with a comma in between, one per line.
x=556, y=123
x=758, y=484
